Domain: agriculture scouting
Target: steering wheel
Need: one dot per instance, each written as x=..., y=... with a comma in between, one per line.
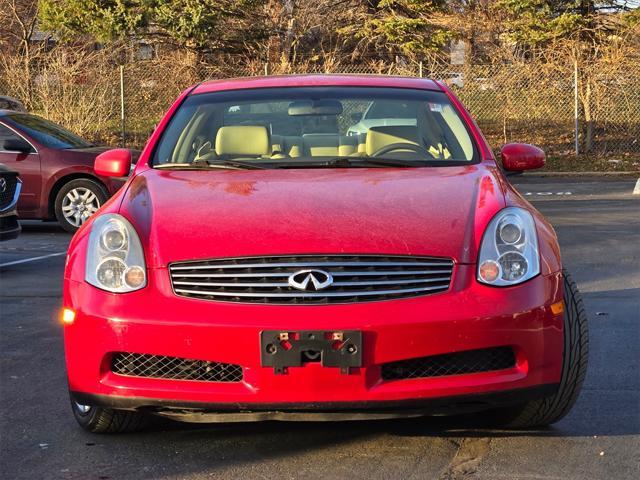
x=402, y=146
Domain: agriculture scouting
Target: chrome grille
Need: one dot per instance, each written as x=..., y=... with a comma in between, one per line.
x=457, y=363
x=7, y=193
x=359, y=278
x=174, y=368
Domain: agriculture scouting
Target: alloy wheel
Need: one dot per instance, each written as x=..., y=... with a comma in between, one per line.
x=78, y=205
x=83, y=409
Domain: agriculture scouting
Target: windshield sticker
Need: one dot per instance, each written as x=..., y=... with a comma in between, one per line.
x=435, y=107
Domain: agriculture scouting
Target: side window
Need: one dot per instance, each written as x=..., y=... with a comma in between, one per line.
x=8, y=134
x=459, y=131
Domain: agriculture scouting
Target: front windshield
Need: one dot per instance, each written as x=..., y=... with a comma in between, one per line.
x=311, y=126
x=46, y=133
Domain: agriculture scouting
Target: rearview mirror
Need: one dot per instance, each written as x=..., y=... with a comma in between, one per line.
x=517, y=157
x=113, y=163
x=16, y=145
x=315, y=107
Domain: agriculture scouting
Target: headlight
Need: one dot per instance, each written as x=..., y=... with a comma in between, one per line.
x=509, y=250
x=115, y=261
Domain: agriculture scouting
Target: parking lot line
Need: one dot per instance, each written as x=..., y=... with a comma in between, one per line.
x=32, y=259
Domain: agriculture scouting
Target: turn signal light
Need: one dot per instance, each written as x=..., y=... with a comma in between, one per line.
x=489, y=271
x=557, y=308
x=68, y=316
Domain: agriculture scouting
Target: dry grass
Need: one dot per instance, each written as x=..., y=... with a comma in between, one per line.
x=75, y=88
x=516, y=101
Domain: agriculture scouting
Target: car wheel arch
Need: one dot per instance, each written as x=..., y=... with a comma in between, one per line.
x=62, y=181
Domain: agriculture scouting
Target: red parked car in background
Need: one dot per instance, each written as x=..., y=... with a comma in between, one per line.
x=261, y=263
x=56, y=168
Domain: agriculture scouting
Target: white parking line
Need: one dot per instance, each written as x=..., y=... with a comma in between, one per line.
x=32, y=259
x=636, y=189
x=548, y=193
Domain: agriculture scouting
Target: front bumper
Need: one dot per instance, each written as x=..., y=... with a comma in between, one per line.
x=469, y=316
x=325, y=411
x=9, y=227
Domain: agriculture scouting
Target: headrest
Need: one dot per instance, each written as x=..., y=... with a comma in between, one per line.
x=243, y=140
x=379, y=137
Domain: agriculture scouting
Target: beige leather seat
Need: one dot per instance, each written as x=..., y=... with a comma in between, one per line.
x=328, y=144
x=255, y=141
x=292, y=145
x=380, y=137
x=277, y=146
x=316, y=145
x=286, y=146
x=348, y=145
x=243, y=140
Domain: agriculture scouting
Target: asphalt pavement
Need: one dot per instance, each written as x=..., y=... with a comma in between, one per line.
x=598, y=223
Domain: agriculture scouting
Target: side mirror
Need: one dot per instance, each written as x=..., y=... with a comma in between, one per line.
x=113, y=163
x=16, y=145
x=517, y=157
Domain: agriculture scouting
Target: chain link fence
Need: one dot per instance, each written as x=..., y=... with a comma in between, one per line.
x=525, y=102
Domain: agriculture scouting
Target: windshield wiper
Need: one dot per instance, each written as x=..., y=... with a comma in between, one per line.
x=237, y=164
x=206, y=165
x=380, y=162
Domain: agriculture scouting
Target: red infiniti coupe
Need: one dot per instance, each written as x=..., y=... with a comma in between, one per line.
x=267, y=260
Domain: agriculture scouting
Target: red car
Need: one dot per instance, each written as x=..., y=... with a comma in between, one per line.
x=262, y=264
x=56, y=167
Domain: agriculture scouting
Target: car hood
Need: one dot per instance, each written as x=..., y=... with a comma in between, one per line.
x=188, y=215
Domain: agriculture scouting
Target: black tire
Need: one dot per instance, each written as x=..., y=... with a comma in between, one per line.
x=108, y=420
x=548, y=410
x=80, y=184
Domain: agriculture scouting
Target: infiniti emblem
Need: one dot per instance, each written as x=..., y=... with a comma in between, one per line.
x=310, y=280
x=3, y=185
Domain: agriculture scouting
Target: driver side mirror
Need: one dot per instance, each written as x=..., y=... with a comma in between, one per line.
x=113, y=163
x=16, y=145
x=517, y=157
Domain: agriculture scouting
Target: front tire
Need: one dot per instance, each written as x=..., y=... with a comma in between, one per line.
x=108, y=420
x=76, y=201
x=548, y=410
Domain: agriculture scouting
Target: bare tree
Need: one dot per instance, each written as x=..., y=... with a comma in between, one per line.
x=19, y=19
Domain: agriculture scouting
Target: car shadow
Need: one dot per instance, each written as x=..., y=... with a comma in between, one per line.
x=36, y=226
x=192, y=448
x=467, y=425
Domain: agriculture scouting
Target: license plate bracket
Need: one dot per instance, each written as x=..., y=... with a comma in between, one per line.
x=281, y=349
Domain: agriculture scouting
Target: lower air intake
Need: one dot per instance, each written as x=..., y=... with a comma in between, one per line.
x=173, y=368
x=459, y=363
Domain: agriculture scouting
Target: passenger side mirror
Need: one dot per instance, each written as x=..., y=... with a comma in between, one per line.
x=517, y=157
x=113, y=163
x=16, y=145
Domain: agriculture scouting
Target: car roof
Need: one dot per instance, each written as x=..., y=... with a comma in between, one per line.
x=6, y=113
x=326, y=80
